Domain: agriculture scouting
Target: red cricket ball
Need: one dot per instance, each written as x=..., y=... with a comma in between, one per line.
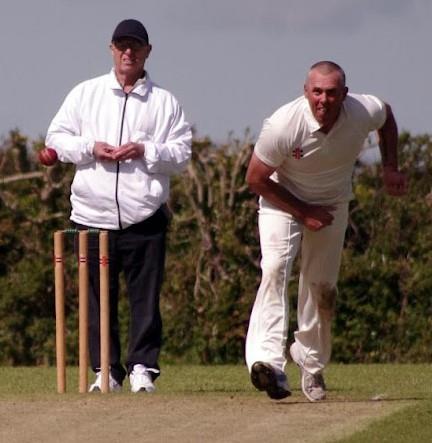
x=47, y=156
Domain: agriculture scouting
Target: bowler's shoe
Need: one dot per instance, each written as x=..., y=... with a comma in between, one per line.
x=265, y=378
x=313, y=385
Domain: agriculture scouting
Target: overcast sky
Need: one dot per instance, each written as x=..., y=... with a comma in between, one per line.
x=230, y=63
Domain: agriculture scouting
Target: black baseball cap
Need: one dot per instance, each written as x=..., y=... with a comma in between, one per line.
x=131, y=28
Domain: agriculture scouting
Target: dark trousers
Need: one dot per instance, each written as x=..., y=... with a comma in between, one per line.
x=139, y=252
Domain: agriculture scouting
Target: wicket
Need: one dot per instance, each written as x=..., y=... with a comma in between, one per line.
x=83, y=281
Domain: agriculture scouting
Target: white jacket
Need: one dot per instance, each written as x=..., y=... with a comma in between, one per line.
x=116, y=195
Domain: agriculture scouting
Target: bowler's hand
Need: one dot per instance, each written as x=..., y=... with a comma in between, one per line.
x=317, y=217
x=128, y=151
x=103, y=151
x=395, y=182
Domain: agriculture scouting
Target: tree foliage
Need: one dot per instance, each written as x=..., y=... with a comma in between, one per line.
x=384, y=308
x=213, y=255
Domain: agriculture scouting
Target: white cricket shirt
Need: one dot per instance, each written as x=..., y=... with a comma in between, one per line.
x=313, y=166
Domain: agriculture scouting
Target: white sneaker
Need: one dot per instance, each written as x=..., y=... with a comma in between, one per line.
x=313, y=385
x=114, y=386
x=141, y=380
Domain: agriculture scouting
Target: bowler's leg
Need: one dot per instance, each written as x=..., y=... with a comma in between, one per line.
x=266, y=339
x=320, y=263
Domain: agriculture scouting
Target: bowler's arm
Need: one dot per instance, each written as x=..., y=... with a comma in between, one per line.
x=314, y=217
x=394, y=180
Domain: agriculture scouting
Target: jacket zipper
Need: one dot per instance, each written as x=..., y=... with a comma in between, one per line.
x=118, y=163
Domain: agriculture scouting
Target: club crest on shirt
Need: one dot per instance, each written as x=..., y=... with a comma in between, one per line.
x=297, y=153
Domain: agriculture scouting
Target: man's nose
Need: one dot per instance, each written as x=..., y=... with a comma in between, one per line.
x=323, y=98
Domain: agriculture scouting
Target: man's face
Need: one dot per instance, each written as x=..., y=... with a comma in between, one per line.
x=129, y=56
x=325, y=94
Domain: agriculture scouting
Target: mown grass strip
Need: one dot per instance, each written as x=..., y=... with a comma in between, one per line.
x=412, y=424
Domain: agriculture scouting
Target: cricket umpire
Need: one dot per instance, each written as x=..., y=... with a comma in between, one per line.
x=126, y=136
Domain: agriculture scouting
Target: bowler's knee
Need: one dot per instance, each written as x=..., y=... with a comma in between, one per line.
x=326, y=298
x=274, y=269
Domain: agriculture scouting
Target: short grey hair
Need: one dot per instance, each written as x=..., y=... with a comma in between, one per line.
x=326, y=66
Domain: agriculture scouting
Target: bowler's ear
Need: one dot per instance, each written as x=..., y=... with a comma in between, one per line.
x=345, y=92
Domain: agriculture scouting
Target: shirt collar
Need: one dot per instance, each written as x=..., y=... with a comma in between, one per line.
x=141, y=87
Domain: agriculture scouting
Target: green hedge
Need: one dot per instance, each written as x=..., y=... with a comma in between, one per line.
x=384, y=308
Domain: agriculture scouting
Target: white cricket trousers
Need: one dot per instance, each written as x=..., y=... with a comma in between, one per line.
x=281, y=238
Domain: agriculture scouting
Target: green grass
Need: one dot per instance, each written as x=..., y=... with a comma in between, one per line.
x=345, y=382
x=175, y=379
x=410, y=425
x=409, y=384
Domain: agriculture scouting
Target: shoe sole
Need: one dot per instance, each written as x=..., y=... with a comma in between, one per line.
x=263, y=378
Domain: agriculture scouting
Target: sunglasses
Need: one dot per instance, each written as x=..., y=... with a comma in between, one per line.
x=132, y=44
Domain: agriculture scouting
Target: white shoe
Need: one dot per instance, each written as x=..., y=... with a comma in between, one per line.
x=141, y=380
x=114, y=386
x=313, y=385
